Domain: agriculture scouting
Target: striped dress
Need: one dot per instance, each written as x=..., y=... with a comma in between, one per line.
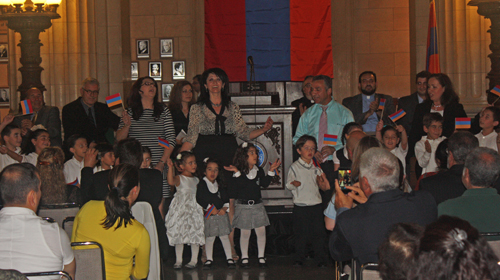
x=147, y=131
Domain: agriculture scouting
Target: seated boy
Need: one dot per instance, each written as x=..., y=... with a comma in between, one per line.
x=425, y=149
x=72, y=168
x=10, y=153
x=488, y=121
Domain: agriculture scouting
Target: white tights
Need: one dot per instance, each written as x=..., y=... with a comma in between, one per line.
x=245, y=238
x=209, y=246
x=179, y=248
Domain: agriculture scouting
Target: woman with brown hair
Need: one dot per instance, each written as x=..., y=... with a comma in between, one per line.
x=181, y=99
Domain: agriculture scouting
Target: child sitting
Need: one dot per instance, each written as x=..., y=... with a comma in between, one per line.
x=146, y=157
x=488, y=121
x=72, y=168
x=391, y=136
x=106, y=157
x=308, y=224
x=12, y=139
x=38, y=139
x=425, y=149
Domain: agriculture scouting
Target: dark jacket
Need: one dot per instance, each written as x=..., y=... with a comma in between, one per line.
x=48, y=116
x=204, y=197
x=408, y=104
x=355, y=104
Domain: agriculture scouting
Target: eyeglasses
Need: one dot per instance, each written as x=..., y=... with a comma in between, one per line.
x=148, y=84
x=95, y=92
x=308, y=148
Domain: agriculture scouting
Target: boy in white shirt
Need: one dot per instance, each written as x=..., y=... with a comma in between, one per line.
x=488, y=121
x=308, y=223
x=391, y=136
x=425, y=149
x=72, y=168
x=11, y=136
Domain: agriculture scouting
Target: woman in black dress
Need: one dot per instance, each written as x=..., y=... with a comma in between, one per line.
x=181, y=99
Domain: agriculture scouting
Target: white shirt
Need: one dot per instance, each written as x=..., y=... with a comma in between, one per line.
x=336, y=160
x=401, y=154
x=253, y=173
x=214, y=188
x=307, y=194
x=31, y=158
x=6, y=160
x=73, y=170
x=30, y=244
x=427, y=160
x=488, y=141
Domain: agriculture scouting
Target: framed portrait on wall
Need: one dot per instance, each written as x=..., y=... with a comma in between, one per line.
x=178, y=70
x=165, y=92
x=4, y=55
x=143, y=50
x=167, y=47
x=134, y=71
x=155, y=70
x=4, y=97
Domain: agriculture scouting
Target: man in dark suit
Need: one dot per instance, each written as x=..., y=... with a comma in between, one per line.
x=48, y=116
x=302, y=103
x=365, y=106
x=359, y=231
x=87, y=117
x=410, y=102
x=95, y=186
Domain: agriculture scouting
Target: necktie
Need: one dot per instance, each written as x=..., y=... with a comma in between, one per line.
x=91, y=117
x=323, y=127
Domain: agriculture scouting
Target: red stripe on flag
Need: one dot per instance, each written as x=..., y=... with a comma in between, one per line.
x=432, y=42
x=310, y=39
x=225, y=37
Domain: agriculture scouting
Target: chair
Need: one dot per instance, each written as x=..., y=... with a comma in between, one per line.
x=369, y=271
x=59, y=212
x=67, y=225
x=49, y=273
x=90, y=260
x=143, y=213
x=494, y=244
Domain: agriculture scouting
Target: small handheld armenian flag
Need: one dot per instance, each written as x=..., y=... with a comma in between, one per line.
x=209, y=211
x=26, y=106
x=74, y=183
x=381, y=104
x=496, y=91
x=114, y=100
x=398, y=115
x=330, y=139
x=164, y=143
x=462, y=123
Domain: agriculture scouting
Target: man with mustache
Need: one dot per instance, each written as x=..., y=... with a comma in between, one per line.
x=365, y=106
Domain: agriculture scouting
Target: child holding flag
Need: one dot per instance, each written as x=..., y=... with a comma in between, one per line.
x=391, y=136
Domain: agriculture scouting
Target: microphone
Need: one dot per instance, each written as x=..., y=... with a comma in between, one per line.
x=250, y=60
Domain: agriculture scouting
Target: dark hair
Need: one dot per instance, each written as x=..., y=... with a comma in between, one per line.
x=28, y=145
x=16, y=181
x=220, y=177
x=129, y=151
x=303, y=139
x=146, y=150
x=389, y=127
x=7, y=130
x=70, y=143
x=397, y=251
x=308, y=77
x=103, y=149
x=484, y=167
x=240, y=159
x=432, y=117
x=460, y=144
x=204, y=93
x=422, y=74
x=452, y=249
x=327, y=80
x=449, y=95
x=496, y=113
x=198, y=78
x=122, y=179
x=367, y=72
x=184, y=156
x=442, y=155
x=348, y=129
x=175, y=102
x=135, y=104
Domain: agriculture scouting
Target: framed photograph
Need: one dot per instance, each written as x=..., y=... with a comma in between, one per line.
x=167, y=47
x=143, y=50
x=4, y=55
x=4, y=97
x=134, y=71
x=165, y=91
x=155, y=70
x=178, y=70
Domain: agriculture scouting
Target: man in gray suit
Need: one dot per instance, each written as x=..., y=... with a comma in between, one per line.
x=365, y=106
x=48, y=116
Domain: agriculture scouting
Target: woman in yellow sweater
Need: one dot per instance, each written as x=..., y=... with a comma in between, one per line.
x=111, y=223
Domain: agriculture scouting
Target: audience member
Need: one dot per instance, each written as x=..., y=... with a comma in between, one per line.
x=480, y=203
x=366, y=106
x=492, y=100
x=442, y=155
x=302, y=104
x=48, y=116
x=452, y=249
x=10, y=153
x=106, y=157
x=360, y=148
x=88, y=117
x=488, y=121
x=77, y=146
x=425, y=149
x=125, y=241
x=27, y=242
x=38, y=138
x=448, y=184
x=359, y=231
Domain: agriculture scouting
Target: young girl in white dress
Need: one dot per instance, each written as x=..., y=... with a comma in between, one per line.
x=184, y=220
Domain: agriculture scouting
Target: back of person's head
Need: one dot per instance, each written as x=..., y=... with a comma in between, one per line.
x=429, y=118
x=397, y=253
x=348, y=128
x=324, y=78
x=129, y=151
x=16, y=181
x=70, y=143
x=442, y=155
x=380, y=168
x=7, y=130
x=50, y=164
x=484, y=167
x=364, y=144
x=461, y=143
x=452, y=249
x=122, y=179
x=303, y=139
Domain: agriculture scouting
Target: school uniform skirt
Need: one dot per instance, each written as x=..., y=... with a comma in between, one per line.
x=248, y=216
x=217, y=225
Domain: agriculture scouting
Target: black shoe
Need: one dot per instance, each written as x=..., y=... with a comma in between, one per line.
x=321, y=264
x=207, y=265
x=297, y=264
x=244, y=264
x=262, y=264
x=231, y=264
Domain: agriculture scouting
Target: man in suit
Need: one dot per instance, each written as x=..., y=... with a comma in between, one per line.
x=87, y=117
x=359, y=231
x=365, y=106
x=48, y=116
x=410, y=102
x=302, y=103
x=95, y=186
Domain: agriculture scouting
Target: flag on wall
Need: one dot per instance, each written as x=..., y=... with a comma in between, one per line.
x=432, y=64
x=288, y=39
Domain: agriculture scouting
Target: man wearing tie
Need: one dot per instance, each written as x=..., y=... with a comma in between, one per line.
x=325, y=121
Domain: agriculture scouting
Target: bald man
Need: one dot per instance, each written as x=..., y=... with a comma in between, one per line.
x=48, y=116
